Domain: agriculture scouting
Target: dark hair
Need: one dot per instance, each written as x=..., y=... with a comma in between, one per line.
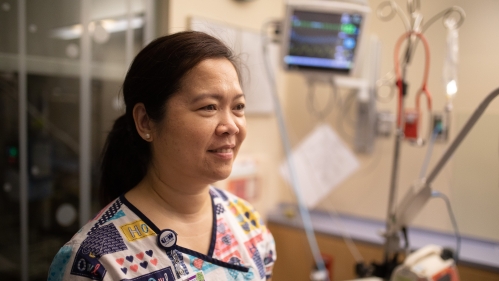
x=153, y=77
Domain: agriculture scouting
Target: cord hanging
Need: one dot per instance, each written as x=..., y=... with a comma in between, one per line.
x=311, y=103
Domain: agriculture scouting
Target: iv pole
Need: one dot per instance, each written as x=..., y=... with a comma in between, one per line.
x=416, y=200
x=392, y=242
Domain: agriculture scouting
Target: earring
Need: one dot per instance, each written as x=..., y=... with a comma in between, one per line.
x=148, y=136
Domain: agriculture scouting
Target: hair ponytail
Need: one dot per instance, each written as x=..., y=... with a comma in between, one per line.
x=125, y=157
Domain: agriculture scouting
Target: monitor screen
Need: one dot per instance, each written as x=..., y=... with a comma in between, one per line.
x=322, y=40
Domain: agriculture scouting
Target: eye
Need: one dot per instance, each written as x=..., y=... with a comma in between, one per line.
x=210, y=107
x=240, y=107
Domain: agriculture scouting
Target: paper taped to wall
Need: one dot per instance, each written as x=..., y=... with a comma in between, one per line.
x=321, y=162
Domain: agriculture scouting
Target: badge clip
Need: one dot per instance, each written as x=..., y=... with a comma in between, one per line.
x=167, y=239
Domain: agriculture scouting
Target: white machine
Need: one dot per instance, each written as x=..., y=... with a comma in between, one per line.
x=429, y=263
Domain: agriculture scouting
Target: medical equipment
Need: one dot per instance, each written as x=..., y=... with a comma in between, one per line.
x=451, y=59
x=411, y=118
x=322, y=36
x=415, y=199
x=319, y=37
x=400, y=215
x=367, y=112
x=305, y=215
x=321, y=40
x=430, y=263
x=453, y=18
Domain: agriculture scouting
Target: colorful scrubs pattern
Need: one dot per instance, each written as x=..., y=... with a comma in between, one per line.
x=120, y=243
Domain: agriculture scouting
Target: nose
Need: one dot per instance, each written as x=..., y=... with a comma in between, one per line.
x=227, y=126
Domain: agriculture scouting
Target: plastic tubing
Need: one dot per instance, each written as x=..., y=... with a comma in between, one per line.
x=305, y=216
x=398, y=75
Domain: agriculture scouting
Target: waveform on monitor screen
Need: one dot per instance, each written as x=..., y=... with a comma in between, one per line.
x=318, y=51
x=347, y=28
x=315, y=40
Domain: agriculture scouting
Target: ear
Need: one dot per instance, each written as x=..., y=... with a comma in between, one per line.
x=143, y=123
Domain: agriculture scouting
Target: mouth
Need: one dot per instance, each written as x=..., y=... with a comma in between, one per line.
x=225, y=152
x=222, y=150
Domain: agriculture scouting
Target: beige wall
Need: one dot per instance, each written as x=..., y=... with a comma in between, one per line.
x=251, y=14
x=366, y=192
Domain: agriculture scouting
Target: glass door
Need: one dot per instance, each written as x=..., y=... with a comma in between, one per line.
x=61, y=68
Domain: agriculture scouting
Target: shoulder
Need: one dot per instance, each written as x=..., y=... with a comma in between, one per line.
x=80, y=256
x=249, y=229
x=233, y=201
x=242, y=210
x=102, y=222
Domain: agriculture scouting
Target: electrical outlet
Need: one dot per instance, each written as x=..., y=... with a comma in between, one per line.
x=385, y=122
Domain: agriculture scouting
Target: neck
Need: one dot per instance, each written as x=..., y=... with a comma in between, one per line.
x=180, y=199
x=182, y=205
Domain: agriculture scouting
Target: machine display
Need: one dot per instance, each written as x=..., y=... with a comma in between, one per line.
x=324, y=38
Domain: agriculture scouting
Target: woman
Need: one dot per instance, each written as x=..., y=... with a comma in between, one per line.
x=183, y=126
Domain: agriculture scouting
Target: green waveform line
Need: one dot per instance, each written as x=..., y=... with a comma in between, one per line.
x=347, y=28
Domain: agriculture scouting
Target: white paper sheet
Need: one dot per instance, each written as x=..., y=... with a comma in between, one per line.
x=321, y=162
x=228, y=35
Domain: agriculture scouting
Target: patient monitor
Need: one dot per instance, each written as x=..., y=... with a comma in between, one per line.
x=322, y=36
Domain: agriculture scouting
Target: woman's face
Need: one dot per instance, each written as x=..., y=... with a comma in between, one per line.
x=203, y=127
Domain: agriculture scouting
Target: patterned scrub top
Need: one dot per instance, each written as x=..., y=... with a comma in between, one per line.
x=121, y=243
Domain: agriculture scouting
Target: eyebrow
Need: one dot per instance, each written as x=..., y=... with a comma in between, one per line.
x=218, y=97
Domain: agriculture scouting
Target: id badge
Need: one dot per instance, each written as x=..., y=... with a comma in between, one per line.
x=196, y=276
